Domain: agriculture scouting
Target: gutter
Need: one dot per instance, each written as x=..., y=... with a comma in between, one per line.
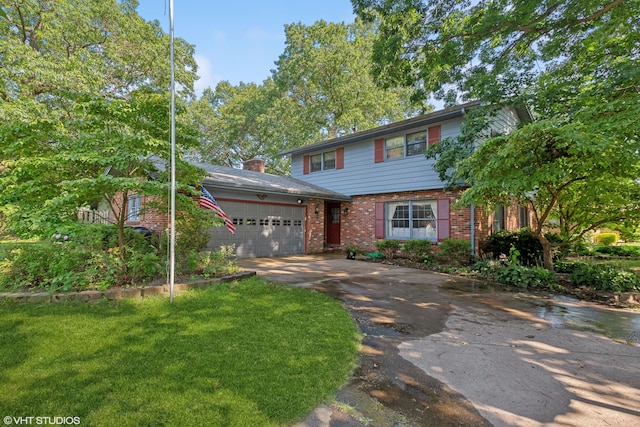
x=423, y=120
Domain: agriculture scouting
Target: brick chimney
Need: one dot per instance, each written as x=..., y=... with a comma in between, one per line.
x=256, y=165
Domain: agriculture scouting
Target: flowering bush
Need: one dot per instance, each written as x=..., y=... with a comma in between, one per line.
x=59, y=238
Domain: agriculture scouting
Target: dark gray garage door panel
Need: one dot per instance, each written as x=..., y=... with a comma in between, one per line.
x=261, y=229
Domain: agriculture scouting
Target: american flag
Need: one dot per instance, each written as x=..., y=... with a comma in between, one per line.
x=208, y=202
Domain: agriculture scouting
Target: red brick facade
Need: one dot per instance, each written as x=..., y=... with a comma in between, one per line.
x=150, y=217
x=315, y=227
x=358, y=223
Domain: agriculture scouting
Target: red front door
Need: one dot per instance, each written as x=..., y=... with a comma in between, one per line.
x=333, y=224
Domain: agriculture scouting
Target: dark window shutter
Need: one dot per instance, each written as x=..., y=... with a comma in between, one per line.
x=305, y=165
x=379, y=150
x=444, y=225
x=340, y=158
x=379, y=213
x=434, y=134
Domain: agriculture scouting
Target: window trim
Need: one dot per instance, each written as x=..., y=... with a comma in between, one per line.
x=133, y=207
x=406, y=152
x=323, y=161
x=411, y=220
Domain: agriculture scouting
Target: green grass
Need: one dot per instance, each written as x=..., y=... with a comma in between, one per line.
x=629, y=264
x=245, y=354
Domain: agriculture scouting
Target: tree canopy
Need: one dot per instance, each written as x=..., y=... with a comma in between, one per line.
x=321, y=88
x=573, y=63
x=83, y=86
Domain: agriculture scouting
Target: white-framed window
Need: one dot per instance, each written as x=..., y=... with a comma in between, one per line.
x=133, y=208
x=416, y=143
x=394, y=147
x=411, y=144
x=322, y=161
x=413, y=219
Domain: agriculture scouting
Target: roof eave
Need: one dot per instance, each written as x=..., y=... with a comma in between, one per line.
x=248, y=189
x=424, y=120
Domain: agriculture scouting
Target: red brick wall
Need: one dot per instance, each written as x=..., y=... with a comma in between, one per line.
x=150, y=218
x=315, y=237
x=358, y=224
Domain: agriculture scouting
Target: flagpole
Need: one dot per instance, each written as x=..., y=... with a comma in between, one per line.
x=172, y=239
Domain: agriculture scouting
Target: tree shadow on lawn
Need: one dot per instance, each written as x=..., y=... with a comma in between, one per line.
x=241, y=355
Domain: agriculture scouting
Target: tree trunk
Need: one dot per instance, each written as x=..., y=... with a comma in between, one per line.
x=120, y=221
x=547, y=257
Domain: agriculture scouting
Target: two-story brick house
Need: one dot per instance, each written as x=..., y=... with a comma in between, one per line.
x=355, y=189
x=395, y=192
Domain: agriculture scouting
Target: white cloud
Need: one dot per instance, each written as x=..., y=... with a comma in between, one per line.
x=206, y=74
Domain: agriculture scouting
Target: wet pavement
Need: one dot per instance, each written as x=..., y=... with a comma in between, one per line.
x=444, y=351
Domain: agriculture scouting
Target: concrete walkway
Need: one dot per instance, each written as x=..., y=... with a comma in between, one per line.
x=437, y=351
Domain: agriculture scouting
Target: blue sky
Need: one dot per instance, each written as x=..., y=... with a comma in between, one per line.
x=239, y=40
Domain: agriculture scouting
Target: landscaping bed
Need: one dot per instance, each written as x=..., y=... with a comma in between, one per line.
x=606, y=277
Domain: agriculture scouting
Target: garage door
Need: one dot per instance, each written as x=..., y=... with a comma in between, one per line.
x=261, y=229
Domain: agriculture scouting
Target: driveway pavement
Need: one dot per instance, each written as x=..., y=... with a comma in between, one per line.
x=437, y=350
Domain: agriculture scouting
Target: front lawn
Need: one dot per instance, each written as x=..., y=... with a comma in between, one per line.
x=249, y=353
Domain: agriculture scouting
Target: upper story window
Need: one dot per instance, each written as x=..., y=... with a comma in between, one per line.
x=410, y=144
x=416, y=143
x=323, y=161
x=394, y=147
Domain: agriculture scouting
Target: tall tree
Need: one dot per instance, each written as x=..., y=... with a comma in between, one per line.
x=321, y=88
x=326, y=70
x=573, y=62
x=239, y=123
x=54, y=56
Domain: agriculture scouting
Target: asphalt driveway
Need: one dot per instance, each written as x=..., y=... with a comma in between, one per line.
x=437, y=350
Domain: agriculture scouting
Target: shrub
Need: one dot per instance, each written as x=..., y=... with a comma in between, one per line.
x=374, y=255
x=48, y=266
x=455, y=251
x=388, y=247
x=417, y=250
x=604, y=277
x=606, y=238
x=527, y=277
x=621, y=251
x=524, y=241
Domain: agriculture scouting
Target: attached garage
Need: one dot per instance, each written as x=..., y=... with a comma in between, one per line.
x=262, y=229
x=270, y=212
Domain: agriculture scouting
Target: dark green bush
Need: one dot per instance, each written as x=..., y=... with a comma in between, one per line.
x=524, y=241
x=48, y=266
x=417, y=250
x=604, y=277
x=455, y=251
x=621, y=251
x=388, y=247
x=527, y=277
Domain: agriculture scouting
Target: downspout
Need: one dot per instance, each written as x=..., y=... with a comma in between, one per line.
x=473, y=215
x=473, y=231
